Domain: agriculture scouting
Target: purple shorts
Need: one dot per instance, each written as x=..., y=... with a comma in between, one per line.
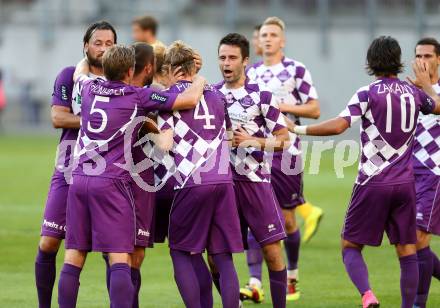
x=288, y=188
x=205, y=217
x=54, y=219
x=428, y=203
x=374, y=209
x=260, y=212
x=144, y=208
x=100, y=215
x=164, y=201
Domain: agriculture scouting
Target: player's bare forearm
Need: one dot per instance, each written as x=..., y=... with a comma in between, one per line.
x=82, y=68
x=276, y=143
x=63, y=118
x=309, y=110
x=335, y=126
x=191, y=96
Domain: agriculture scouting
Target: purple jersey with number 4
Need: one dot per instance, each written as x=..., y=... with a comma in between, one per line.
x=201, y=153
x=388, y=108
x=111, y=114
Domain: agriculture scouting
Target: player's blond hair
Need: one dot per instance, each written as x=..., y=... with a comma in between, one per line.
x=275, y=21
x=159, y=54
x=116, y=62
x=180, y=54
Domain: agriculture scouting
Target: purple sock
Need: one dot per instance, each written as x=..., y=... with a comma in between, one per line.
x=45, y=272
x=436, y=266
x=68, y=286
x=205, y=280
x=254, y=257
x=186, y=278
x=136, y=280
x=216, y=281
x=121, y=287
x=425, y=261
x=228, y=280
x=278, y=287
x=356, y=268
x=409, y=278
x=291, y=244
x=107, y=271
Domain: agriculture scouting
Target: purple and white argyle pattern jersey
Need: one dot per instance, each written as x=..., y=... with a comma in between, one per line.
x=427, y=143
x=256, y=112
x=199, y=139
x=290, y=83
x=388, y=109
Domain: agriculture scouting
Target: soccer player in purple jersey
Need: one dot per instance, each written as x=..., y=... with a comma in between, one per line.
x=204, y=215
x=143, y=198
x=291, y=84
x=98, y=37
x=254, y=115
x=100, y=210
x=384, y=197
x=426, y=158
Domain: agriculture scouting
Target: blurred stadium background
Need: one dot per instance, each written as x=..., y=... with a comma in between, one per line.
x=39, y=37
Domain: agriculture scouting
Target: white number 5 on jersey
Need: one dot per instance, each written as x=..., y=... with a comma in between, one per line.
x=205, y=116
x=94, y=109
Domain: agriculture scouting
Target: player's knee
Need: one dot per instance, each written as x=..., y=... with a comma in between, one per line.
x=423, y=239
x=137, y=257
x=49, y=244
x=119, y=258
x=273, y=256
x=405, y=250
x=348, y=244
x=75, y=257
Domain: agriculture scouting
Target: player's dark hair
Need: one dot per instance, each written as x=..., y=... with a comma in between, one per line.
x=116, y=62
x=430, y=41
x=147, y=23
x=144, y=55
x=384, y=57
x=258, y=27
x=100, y=25
x=236, y=39
x=179, y=54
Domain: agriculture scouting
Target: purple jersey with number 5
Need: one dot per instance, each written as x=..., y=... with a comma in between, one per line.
x=201, y=153
x=111, y=115
x=388, y=108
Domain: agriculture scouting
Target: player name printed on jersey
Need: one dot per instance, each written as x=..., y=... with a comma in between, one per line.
x=427, y=142
x=388, y=109
x=257, y=112
x=290, y=83
x=112, y=113
x=201, y=150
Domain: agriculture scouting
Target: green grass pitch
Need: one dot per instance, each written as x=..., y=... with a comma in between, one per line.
x=26, y=164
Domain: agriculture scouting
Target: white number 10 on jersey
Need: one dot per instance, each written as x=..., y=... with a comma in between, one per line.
x=404, y=99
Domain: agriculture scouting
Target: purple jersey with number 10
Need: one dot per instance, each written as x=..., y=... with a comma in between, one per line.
x=388, y=108
x=111, y=114
x=201, y=153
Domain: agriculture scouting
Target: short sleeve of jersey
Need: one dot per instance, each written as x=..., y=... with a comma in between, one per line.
x=357, y=106
x=304, y=84
x=427, y=104
x=63, y=87
x=271, y=112
x=153, y=99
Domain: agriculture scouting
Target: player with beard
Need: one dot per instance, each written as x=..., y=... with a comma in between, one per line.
x=426, y=158
x=100, y=210
x=64, y=113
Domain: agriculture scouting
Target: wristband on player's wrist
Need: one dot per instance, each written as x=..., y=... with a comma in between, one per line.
x=300, y=129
